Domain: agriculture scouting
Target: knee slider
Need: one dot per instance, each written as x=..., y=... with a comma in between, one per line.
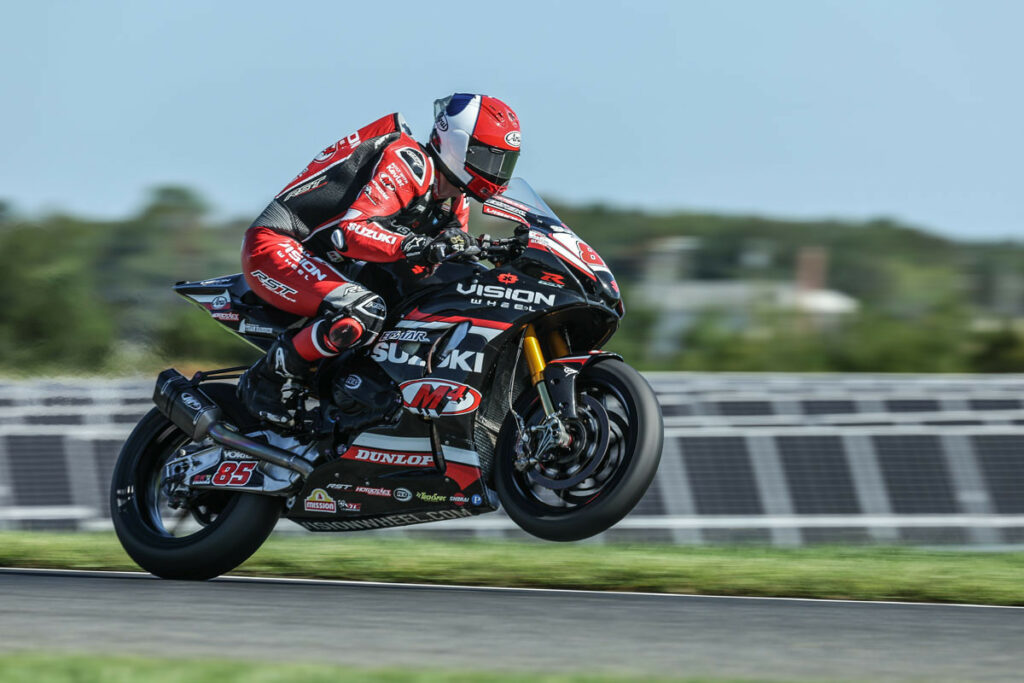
x=344, y=332
x=360, y=324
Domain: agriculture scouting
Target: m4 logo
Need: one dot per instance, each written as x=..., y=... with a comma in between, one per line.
x=437, y=397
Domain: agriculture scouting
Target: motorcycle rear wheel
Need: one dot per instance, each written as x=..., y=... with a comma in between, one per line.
x=232, y=525
x=582, y=492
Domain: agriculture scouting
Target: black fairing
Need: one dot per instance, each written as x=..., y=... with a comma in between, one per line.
x=451, y=348
x=230, y=301
x=552, y=247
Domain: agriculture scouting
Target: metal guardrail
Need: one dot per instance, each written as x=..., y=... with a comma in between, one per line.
x=748, y=458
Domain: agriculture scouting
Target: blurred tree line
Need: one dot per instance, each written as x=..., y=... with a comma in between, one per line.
x=94, y=296
x=928, y=303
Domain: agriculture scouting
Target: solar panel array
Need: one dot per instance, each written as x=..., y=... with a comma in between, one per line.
x=749, y=458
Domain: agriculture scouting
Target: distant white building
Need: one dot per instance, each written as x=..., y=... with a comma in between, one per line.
x=680, y=302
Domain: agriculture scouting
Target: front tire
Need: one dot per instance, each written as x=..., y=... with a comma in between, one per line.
x=621, y=423
x=233, y=525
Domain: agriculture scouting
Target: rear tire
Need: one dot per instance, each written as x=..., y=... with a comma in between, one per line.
x=242, y=523
x=631, y=459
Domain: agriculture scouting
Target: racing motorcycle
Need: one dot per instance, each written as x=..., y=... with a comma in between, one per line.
x=486, y=389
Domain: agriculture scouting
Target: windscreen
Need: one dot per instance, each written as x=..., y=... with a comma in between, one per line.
x=519, y=190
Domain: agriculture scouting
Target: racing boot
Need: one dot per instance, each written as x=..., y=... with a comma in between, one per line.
x=270, y=389
x=365, y=397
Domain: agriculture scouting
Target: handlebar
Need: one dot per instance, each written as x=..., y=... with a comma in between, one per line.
x=500, y=250
x=494, y=250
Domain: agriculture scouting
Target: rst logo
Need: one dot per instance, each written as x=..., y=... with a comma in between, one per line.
x=467, y=361
x=308, y=187
x=437, y=397
x=281, y=289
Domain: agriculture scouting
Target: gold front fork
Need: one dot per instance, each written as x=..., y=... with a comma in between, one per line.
x=534, y=356
x=536, y=442
x=556, y=342
x=535, y=359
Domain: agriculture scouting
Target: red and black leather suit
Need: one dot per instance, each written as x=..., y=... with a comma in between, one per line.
x=356, y=201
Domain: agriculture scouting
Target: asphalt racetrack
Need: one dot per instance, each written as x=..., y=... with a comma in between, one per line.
x=506, y=629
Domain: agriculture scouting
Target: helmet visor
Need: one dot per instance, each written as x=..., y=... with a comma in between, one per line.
x=492, y=163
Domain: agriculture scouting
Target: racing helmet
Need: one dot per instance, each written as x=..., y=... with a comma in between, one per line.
x=475, y=142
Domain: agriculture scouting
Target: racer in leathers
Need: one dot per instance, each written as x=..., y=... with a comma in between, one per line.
x=376, y=196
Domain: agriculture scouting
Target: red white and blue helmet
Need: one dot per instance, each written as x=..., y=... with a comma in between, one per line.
x=475, y=142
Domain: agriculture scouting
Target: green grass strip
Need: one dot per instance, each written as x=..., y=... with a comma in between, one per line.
x=36, y=667
x=858, y=573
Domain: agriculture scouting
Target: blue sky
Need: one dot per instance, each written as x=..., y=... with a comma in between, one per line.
x=905, y=109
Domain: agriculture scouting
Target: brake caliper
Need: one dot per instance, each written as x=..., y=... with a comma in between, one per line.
x=548, y=436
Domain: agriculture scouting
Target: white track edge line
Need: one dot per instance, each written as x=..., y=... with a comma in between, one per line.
x=513, y=589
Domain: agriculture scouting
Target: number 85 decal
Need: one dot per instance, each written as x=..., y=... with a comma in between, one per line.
x=234, y=473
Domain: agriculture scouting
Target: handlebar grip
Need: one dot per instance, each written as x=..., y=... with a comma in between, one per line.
x=470, y=253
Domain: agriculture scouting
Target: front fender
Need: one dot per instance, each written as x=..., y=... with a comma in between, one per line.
x=560, y=377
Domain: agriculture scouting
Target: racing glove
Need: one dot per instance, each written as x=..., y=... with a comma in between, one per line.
x=428, y=251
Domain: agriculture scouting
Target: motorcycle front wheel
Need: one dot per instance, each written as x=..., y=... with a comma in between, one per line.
x=584, y=489
x=209, y=534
